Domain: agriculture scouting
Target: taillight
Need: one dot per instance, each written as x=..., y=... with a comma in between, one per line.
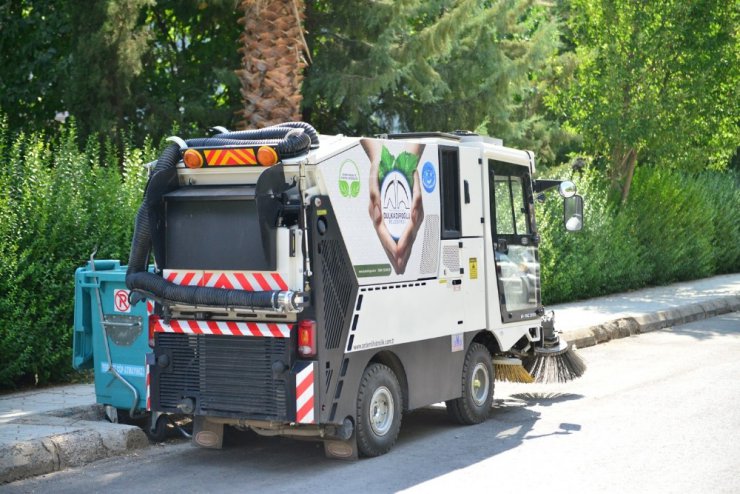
x=152, y=322
x=307, y=338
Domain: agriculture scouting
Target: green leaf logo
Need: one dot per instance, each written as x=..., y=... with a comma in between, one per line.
x=349, y=179
x=405, y=163
x=354, y=189
x=344, y=188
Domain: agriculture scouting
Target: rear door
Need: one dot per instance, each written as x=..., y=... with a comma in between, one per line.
x=513, y=240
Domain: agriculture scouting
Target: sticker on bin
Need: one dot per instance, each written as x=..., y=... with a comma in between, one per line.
x=120, y=301
x=125, y=369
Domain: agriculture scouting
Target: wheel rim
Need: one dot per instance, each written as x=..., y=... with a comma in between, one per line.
x=480, y=384
x=381, y=411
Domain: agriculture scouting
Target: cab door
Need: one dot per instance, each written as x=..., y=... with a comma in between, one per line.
x=513, y=241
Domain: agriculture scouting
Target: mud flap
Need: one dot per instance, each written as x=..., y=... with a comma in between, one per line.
x=341, y=449
x=207, y=434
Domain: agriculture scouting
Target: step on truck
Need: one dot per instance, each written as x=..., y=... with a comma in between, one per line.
x=321, y=286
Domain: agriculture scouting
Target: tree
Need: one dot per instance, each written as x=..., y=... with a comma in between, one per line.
x=657, y=82
x=432, y=65
x=34, y=48
x=272, y=46
x=133, y=66
x=188, y=77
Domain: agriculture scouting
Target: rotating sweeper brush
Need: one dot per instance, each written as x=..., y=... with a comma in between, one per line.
x=553, y=359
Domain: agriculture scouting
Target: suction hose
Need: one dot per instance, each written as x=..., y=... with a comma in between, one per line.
x=289, y=139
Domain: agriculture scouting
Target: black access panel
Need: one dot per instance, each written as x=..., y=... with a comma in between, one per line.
x=216, y=228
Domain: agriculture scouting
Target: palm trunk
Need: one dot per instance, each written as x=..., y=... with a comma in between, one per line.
x=272, y=47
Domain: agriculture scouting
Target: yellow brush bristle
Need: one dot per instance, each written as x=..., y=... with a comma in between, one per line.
x=511, y=370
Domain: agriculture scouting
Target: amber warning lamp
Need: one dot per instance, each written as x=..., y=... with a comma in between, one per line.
x=267, y=156
x=192, y=158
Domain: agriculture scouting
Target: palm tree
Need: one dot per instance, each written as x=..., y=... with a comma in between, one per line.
x=272, y=47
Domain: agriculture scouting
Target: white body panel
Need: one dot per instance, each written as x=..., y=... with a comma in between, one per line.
x=470, y=174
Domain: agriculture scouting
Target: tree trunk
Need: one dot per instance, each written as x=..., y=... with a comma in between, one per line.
x=272, y=47
x=631, y=162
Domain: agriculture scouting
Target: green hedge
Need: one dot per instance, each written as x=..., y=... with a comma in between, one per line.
x=676, y=226
x=58, y=203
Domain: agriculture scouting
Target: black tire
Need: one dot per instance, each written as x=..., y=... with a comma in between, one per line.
x=379, y=403
x=158, y=433
x=477, y=388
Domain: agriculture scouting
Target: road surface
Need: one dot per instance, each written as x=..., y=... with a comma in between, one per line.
x=659, y=412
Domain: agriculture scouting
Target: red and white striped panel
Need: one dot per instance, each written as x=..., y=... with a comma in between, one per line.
x=228, y=328
x=304, y=395
x=252, y=281
x=148, y=390
x=183, y=277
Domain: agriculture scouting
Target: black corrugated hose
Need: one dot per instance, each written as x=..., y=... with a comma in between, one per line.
x=290, y=139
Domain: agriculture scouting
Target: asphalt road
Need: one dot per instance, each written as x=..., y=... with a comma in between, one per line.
x=658, y=412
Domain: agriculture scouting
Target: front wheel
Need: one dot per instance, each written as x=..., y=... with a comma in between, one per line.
x=378, y=410
x=477, y=388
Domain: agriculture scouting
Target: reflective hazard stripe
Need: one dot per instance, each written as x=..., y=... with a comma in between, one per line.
x=183, y=277
x=229, y=328
x=226, y=157
x=232, y=280
x=304, y=395
x=148, y=390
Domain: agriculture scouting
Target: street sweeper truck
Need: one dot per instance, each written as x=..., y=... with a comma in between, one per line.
x=320, y=286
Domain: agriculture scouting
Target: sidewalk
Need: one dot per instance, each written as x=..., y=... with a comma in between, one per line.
x=47, y=430
x=50, y=429
x=598, y=320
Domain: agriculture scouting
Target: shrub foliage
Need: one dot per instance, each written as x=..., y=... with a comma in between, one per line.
x=58, y=204
x=677, y=226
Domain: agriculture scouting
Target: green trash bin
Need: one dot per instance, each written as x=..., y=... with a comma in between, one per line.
x=109, y=331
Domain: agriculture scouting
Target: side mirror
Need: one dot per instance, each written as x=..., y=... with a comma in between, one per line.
x=567, y=188
x=573, y=213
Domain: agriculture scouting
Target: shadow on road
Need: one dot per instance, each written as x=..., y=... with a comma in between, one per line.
x=545, y=399
x=429, y=446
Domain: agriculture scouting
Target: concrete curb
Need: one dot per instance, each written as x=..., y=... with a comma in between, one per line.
x=85, y=441
x=652, y=321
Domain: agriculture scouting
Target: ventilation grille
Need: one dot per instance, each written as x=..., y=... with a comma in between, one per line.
x=329, y=373
x=451, y=258
x=430, y=247
x=225, y=375
x=337, y=289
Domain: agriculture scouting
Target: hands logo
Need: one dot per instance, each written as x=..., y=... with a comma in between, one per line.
x=396, y=207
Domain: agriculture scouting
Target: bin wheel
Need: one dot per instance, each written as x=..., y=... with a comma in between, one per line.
x=157, y=432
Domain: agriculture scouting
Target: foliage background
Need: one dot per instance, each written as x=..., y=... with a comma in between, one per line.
x=647, y=97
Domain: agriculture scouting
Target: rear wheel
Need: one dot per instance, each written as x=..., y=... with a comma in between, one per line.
x=378, y=411
x=477, y=388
